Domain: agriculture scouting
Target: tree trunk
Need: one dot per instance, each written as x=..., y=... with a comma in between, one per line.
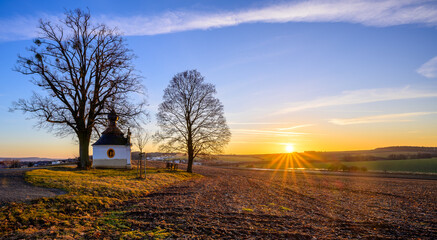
x=145, y=167
x=141, y=164
x=190, y=156
x=84, y=143
x=190, y=163
x=190, y=150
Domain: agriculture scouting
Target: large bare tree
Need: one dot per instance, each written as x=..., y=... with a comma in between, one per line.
x=191, y=118
x=83, y=69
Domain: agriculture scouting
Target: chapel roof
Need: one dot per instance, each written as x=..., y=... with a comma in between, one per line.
x=112, y=135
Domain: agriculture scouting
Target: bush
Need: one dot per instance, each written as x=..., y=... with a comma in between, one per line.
x=344, y=168
x=341, y=167
x=354, y=169
x=12, y=163
x=334, y=167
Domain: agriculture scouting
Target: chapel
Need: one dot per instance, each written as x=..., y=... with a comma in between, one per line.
x=113, y=149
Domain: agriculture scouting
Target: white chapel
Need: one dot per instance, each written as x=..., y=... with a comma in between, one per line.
x=112, y=150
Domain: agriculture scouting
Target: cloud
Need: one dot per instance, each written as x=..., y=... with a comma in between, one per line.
x=399, y=117
x=275, y=132
x=294, y=127
x=272, y=123
x=429, y=69
x=23, y=27
x=366, y=12
x=359, y=97
x=257, y=142
x=257, y=123
x=372, y=13
x=268, y=132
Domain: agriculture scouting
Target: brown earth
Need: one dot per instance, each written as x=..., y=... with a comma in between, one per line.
x=232, y=204
x=13, y=187
x=242, y=204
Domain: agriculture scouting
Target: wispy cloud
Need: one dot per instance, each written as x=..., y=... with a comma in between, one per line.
x=373, y=13
x=268, y=132
x=258, y=142
x=23, y=27
x=271, y=132
x=399, y=117
x=429, y=69
x=294, y=127
x=366, y=12
x=359, y=97
x=257, y=123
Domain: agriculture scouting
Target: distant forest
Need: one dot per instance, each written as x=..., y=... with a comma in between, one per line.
x=407, y=149
x=384, y=153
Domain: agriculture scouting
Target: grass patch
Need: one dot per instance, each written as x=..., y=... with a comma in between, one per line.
x=89, y=209
x=284, y=208
x=247, y=209
x=408, y=165
x=428, y=165
x=158, y=233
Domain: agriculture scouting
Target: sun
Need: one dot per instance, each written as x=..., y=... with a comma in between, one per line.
x=289, y=148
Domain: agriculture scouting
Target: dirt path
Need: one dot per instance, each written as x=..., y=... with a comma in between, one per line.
x=14, y=188
x=249, y=204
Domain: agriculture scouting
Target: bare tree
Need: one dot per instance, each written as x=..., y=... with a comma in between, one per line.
x=83, y=69
x=191, y=119
x=142, y=138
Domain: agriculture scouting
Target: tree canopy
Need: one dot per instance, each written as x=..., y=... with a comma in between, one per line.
x=191, y=118
x=83, y=70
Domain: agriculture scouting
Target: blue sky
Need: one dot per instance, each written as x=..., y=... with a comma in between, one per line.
x=318, y=75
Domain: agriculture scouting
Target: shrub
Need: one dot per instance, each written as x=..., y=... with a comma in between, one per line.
x=354, y=169
x=12, y=163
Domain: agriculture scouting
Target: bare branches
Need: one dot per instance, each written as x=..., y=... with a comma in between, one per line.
x=84, y=69
x=191, y=119
x=142, y=137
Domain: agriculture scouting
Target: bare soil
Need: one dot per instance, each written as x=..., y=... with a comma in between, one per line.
x=230, y=204
x=13, y=187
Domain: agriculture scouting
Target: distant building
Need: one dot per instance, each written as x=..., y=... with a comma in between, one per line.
x=112, y=150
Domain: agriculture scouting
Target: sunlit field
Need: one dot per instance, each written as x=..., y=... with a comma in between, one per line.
x=409, y=165
x=239, y=204
x=89, y=209
x=222, y=203
x=298, y=161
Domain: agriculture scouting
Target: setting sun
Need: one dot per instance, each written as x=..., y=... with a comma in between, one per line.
x=289, y=148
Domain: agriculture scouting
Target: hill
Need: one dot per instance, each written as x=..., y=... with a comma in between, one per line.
x=30, y=159
x=393, y=158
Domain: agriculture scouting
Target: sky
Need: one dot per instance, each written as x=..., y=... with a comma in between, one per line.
x=314, y=75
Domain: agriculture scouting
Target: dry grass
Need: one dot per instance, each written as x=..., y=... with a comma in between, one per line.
x=90, y=206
